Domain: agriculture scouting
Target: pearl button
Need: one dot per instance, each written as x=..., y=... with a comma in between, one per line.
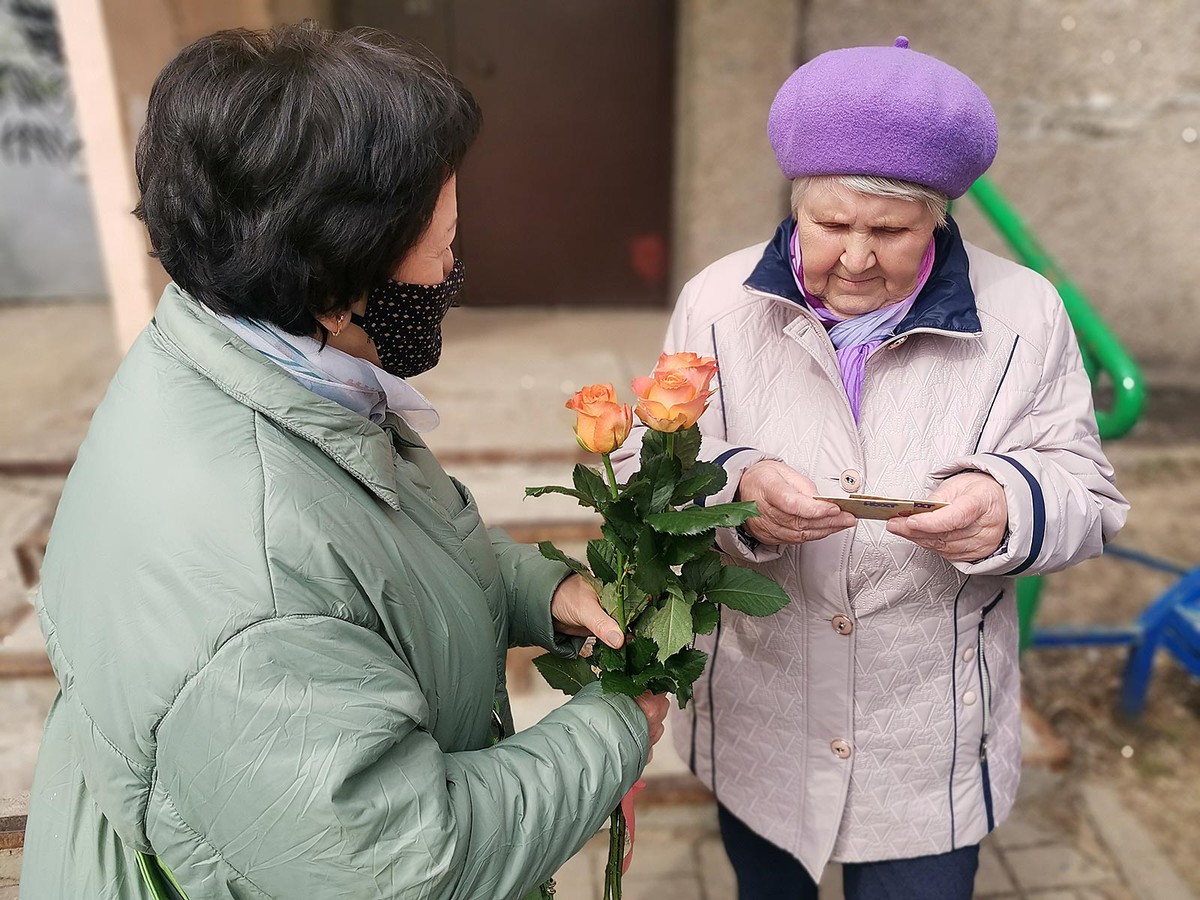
x=842, y=624
x=841, y=749
x=968, y=654
x=969, y=698
x=851, y=481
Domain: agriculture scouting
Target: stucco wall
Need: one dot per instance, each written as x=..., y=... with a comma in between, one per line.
x=732, y=57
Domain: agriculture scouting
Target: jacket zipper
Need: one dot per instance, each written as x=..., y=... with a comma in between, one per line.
x=985, y=690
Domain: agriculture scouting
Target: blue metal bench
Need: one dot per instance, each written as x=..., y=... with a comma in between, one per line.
x=1171, y=622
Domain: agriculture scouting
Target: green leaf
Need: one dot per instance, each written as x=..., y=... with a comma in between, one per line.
x=699, y=574
x=614, y=537
x=651, y=569
x=602, y=557
x=687, y=446
x=662, y=473
x=696, y=519
x=549, y=551
x=619, y=683
x=654, y=446
x=661, y=684
x=670, y=625
x=683, y=693
x=634, y=607
x=681, y=548
x=641, y=651
x=624, y=517
x=589, y=484
x=684, y=668
x=705, y=617
x=610, y=599
x=704, y=480
x=747, y=592
x=687, y=665
x=556, y=489
x=608, y=659
x=567, y=675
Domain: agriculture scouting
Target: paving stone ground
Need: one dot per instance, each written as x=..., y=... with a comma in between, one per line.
x=501, y=385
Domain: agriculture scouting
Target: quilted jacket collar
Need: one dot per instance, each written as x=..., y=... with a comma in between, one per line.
x=358, y=445
x=946, y=303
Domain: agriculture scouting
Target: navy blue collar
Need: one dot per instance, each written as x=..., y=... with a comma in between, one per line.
x=946, y=303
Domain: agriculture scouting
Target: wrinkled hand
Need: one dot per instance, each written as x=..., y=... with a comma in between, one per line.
x=655, y=707
x=969, y=529
x=576, y=610
x=787, y=512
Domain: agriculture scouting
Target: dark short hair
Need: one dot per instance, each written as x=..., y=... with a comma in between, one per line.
x=285, y=173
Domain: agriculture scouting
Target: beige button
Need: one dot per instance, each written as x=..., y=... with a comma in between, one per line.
x=851, y=481
x=968, y=654
x=841, y=749
x=969, y=698
x=896, y=343
x=842, y=624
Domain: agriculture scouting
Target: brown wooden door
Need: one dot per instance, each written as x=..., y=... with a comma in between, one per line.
x=565, y=199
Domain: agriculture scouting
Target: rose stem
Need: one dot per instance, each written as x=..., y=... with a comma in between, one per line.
x=616, y=495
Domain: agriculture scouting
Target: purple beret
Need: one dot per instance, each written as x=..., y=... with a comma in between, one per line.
x=886, y=111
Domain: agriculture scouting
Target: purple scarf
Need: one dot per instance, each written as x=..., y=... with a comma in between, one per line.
x=856, y=338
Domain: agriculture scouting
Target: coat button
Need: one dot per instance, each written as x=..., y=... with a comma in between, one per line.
x=968, y=654
x=842, y=624
x=851, y=481
x=969, y=698
x=898, y=342
x=841, y=749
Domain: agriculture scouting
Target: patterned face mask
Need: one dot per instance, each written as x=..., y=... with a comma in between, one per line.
x=405, y=322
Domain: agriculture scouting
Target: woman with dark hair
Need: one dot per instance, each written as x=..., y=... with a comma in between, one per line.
x=278, y=625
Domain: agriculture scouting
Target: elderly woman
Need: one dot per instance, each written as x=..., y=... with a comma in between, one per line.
x=867, y=348
x=278, y=625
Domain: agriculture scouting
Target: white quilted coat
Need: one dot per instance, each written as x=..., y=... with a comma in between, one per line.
x=896, y=735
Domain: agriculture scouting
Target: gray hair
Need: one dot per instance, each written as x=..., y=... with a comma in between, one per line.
x=877, y=186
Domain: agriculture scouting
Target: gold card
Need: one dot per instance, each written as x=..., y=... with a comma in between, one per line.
x=869, y=506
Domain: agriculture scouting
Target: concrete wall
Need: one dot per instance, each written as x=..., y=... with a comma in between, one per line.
x=729, y=194
x=47, y=239
x=1099, y=109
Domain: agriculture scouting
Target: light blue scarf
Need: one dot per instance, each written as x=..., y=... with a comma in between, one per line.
x=347, y=380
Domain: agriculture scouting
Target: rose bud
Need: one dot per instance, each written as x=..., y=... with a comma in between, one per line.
x=677, y=393
x=601, y=422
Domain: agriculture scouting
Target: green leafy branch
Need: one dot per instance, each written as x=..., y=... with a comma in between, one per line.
x=655, y=569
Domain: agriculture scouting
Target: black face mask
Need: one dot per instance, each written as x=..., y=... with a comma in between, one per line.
x=404, y=321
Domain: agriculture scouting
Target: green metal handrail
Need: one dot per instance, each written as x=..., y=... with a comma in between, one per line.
x=1103, y=355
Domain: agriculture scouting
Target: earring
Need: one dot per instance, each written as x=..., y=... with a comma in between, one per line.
x=340, y=318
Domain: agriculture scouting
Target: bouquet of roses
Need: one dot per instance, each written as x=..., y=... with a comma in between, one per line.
x=654, y=568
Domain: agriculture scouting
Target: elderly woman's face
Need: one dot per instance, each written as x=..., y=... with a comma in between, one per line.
x=860, y=252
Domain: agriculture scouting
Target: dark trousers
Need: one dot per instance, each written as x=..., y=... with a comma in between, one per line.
x=765, y=872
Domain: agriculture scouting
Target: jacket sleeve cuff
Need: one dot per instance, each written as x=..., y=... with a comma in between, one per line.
x=734, y=541
x=629, y=713
x=530, y=581
x=1026, y=513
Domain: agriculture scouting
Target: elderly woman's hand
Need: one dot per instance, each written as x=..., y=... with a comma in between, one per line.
x=576, y=610
x=787, y=512
x=969, y=528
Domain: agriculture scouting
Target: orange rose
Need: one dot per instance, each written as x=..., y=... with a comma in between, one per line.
x=601, y=422
x=676, y=395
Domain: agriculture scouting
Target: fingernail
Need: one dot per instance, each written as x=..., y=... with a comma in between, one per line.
x=612, y=638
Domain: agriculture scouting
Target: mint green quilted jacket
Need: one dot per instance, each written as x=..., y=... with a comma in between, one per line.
x=279, y=632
